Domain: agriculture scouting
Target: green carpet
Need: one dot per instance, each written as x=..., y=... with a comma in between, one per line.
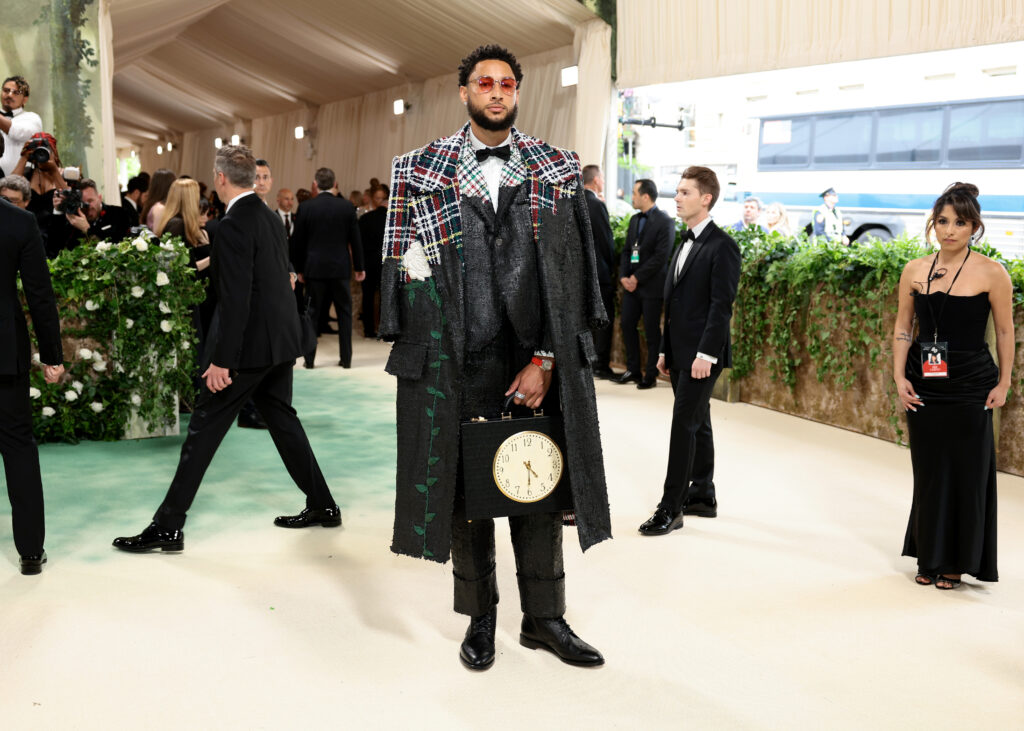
x=113, y=488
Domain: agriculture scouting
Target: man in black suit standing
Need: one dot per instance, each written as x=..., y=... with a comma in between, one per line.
x=642, y=270
x=21, y=252
x=328, y=248
x=699, y=292
x=251, y=350
x=604, y=252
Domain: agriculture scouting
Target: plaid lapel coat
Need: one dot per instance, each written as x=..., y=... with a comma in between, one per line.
x=423, y=312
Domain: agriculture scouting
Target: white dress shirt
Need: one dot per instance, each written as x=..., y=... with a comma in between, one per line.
x=23, y=126
x=491, y=167
x=237, y=198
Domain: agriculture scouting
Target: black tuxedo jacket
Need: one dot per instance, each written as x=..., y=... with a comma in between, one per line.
x=655, y=247
x=21, y=251
x=371, y=231
x=604, y=246
x=326, y=231
x=698, y=305
x=111, y=225
x=130, y=211
x=255, y=324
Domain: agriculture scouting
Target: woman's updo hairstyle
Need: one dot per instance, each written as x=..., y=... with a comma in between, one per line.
x=964, y=199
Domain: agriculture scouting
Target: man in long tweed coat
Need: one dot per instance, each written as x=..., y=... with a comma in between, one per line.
x=489, y=289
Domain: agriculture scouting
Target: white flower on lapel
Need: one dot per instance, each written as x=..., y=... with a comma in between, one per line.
x=415, y=263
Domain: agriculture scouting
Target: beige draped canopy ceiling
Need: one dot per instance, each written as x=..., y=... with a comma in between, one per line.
x=190, y=71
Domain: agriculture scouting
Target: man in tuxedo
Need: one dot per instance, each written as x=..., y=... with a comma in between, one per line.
x=699, y=292
x=286, y=210
x=251, y=350
x=604, y=252
x=95, y=219
x=132, y=199
x=327, y=250
x=642, y=269
x=371, y=231
x=21, y=253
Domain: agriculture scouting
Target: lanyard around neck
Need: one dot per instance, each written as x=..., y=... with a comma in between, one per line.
x=935, y=320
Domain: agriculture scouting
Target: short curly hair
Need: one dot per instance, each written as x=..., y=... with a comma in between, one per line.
x=489, y=53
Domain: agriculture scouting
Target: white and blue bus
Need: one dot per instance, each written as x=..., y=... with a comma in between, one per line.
x=889, y=135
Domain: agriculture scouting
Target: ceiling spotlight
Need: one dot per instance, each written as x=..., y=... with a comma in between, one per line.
x=133, y=153
x=399, y=106
x=159, y=149
x=570, y=75
x=299, y=133
x=218, y=143
x=170, y=146
x=236, y=140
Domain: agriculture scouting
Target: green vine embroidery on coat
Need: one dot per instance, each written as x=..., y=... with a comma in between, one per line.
x=429, y=481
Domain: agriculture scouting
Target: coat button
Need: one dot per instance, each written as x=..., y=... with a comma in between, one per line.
x=498, y=241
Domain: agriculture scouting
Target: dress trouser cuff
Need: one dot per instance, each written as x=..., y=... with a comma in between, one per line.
x=542, y=597
x=475, y=597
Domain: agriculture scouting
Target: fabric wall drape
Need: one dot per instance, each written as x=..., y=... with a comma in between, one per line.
x=663, y=41
x=592, y=47
x=273, y=139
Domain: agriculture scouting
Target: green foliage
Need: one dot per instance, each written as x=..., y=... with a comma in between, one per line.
x=126, y=320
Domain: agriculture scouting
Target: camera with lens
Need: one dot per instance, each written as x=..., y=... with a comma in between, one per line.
x=39, y=151
x=71, y=197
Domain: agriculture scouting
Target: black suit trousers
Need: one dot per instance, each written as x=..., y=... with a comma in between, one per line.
x=338, y=291
x=21, y=465
x=370, y=288
x=271, y=390
x=691, y=456
x=649, y=308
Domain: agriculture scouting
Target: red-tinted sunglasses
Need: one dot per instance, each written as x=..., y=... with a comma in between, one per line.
x=483, y=84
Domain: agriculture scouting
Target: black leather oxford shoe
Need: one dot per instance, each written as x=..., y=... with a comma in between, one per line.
x=555, y=635
x=701, y=508
x=327, y=517
x=647, y=383
x=661, y=522
x=477, y=650
x=155, y=536
x=31, y=565
x=606, y=373
x=626, y=377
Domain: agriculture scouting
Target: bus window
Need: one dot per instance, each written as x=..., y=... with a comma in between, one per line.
x=909, y=135
x=785, y=143
x=842, y=139
x=989, y=131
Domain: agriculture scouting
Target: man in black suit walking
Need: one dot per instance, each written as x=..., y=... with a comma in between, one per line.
x=21, y=252
x=642, y=271
x=604, y=253
x=328, y=248
x=699, y=292
x=251, y=350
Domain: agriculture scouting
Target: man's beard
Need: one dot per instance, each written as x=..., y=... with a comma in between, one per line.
x=479, y=115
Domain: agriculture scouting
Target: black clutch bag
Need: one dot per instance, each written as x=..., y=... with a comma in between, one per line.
x=514, y=465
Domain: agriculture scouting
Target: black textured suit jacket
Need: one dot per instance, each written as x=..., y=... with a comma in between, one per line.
x=655, y=248
x=256, y=324
x=604, y=246
x=21, y=252
x=326, y=230
x=698, y=305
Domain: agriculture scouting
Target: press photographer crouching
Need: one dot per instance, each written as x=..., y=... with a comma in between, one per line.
x=85, y=215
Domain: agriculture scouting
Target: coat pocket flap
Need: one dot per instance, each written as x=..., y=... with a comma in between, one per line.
x=587, y=350
x=407, y=360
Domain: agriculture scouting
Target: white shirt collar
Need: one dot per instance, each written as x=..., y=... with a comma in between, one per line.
x=238, y=198
x=699, y=228
x=17, y=111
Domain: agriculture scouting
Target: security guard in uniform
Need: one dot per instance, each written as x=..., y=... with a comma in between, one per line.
x=828, y=220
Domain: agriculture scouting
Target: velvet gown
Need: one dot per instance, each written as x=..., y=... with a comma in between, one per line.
x=952, y=526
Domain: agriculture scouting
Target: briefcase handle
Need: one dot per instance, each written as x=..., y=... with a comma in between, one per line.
x=506, y=410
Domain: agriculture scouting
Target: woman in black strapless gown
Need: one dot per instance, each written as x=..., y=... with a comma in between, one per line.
x=949, y=391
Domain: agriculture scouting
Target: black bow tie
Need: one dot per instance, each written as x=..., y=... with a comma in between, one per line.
x=503, y=152
x=688, y=235
x=8, y=114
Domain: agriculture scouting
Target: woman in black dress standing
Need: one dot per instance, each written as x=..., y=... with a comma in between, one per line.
x=948, y=384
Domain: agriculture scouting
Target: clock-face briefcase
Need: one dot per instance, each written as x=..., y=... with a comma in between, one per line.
x=514, y=465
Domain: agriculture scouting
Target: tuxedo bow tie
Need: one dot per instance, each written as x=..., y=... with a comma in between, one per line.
x=8, y=114
x=503, y=152
x=688, y=236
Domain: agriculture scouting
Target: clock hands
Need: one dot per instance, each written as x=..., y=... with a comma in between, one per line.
x=529, y=471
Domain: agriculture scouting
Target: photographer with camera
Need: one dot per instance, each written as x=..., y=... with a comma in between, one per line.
x=16, y=124
x=85, y=215
x=39, y=163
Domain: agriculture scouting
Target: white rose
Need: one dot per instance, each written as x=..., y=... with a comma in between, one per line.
x=164, y=308
x=136, y=399
x=415, y=263
x=118, y=367
x=96, y=355
x=34, y=392
x=91, y=306
x=99, y=366
x=35, y=358
x=104, y=246
x=162, y=279
x=48, y=411
x=166, y=326
x=141, y=244
x=167, y=245
x=71, y=395
x=84, y=353
x=77, y=385
x=129, y=322
x=137, y=291
x=96, y=406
